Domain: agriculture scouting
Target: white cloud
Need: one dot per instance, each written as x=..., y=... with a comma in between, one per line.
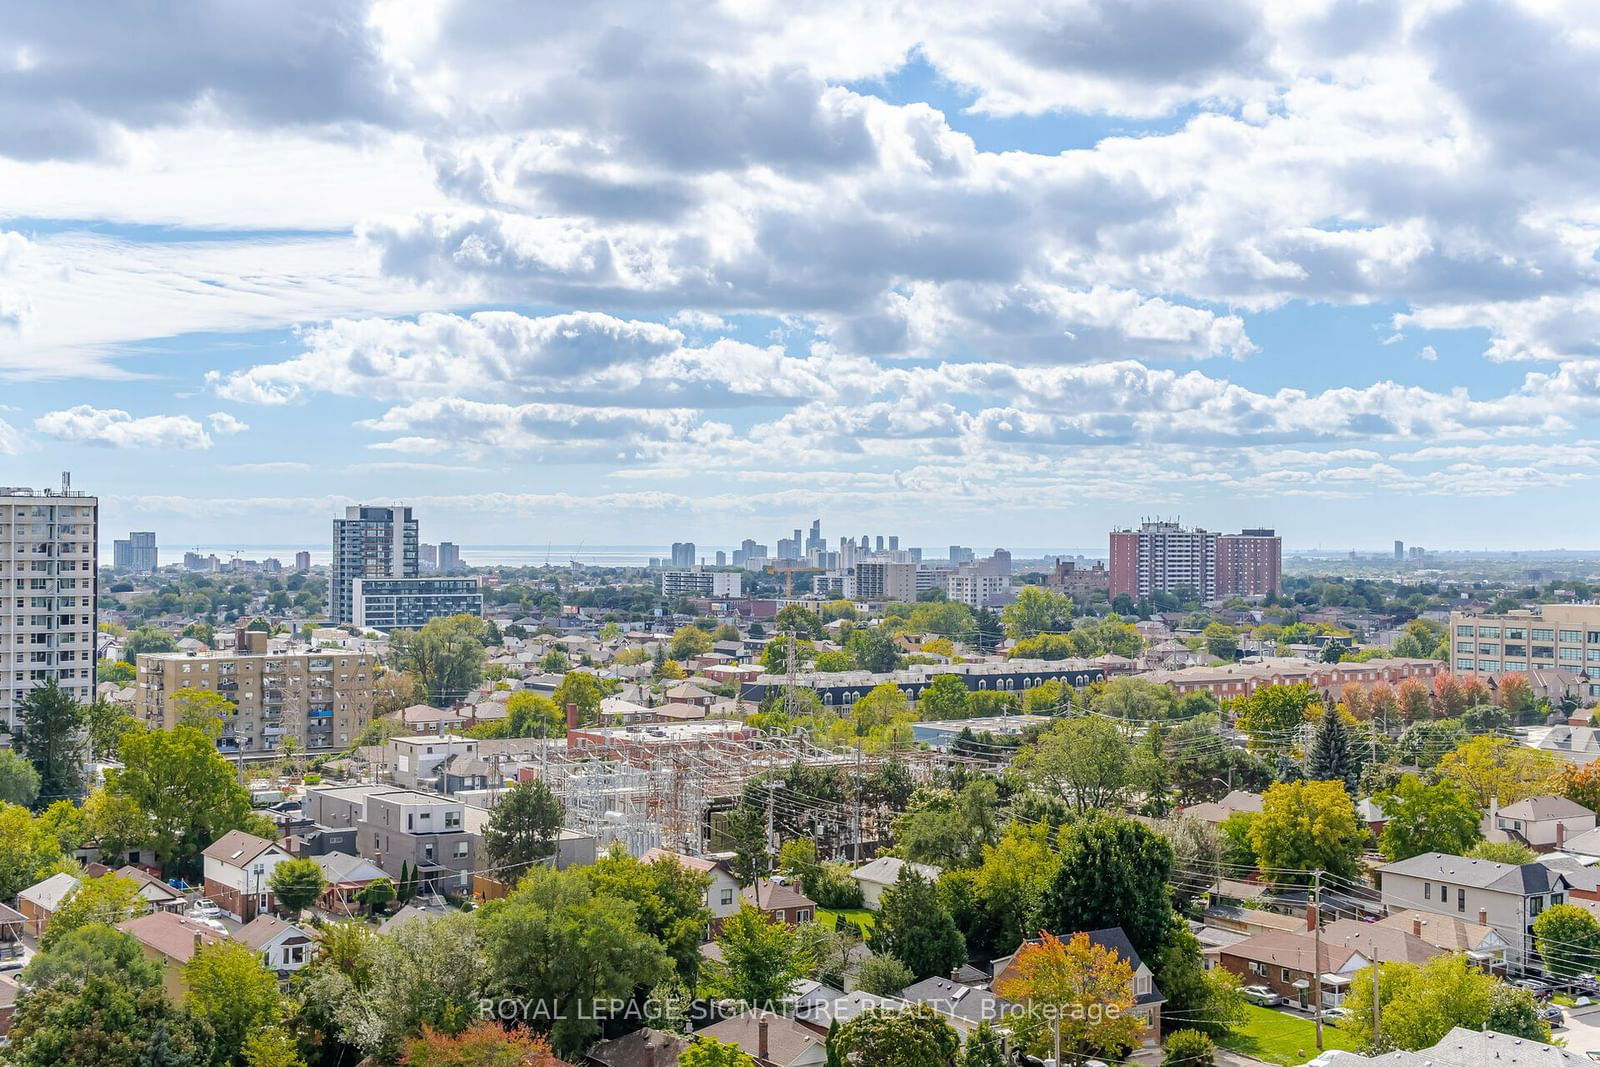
x=1428, y=354
x=224, y=423
x=114, y=428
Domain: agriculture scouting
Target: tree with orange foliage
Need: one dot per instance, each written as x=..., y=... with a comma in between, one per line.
x=1448, y=700
x=1474, y=692
x=1382, y=705
x=1414, y=703
x=1354, y=698
x=1581, y=785
x=1515, y=694
x=1075, y=992
x=484, y=1044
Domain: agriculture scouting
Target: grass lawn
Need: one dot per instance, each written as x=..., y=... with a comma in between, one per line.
x=1278, y=1037
x=860, y=916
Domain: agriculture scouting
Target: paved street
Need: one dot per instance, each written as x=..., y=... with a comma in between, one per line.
x=1581, y=1031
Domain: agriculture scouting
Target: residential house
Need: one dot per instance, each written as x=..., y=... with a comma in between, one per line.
x=1578, y=745
x=12, y=925
x=283, y=946
x=171, y=941
x=962, y=1006
x=642, y=1048
x=819, y=1014
x=158, y=894
x=39, y=901
x=238, y=873
x=1464, y=1048
x=722, y=895
x=689, y=693
x=1504, y=896
x=415, y=761
x=346, y=876
x=1147, y=996
x=1483, y=945
x=8, y=1004
x=771, y=1040
x=422, y=832
x=882, y=873
x=1543, y=823
x=779, y=901
x=1217, y=812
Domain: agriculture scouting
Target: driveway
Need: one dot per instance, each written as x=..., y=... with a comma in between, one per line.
x=1582, y=1030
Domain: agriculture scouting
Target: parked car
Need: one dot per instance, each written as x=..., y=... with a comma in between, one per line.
x=1262, y=995
x=1551, y=1014
x=15, y=963
x=204, y=908
x=1335, y=1015
x=1539, y=989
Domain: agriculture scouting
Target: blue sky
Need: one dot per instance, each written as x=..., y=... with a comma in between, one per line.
x=1000, y=275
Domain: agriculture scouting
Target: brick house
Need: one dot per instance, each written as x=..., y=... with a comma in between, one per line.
x=238, y=871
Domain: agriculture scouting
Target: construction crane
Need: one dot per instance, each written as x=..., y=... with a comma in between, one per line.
x=790, y=568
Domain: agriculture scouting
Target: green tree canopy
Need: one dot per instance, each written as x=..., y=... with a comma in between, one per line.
x=1306, y=826
x=48, y=730
x=915, y=927
x=1113, y=871
x=232, y=992
x=446, y=655
x=522, y=829
x=297, y=884
x=761, y=959
x=884, y=1037
x=1442, y=817
x=19, y=781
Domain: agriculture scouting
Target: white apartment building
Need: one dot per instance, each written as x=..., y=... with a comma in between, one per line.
x=878, y=581
x=48, y=560
x=1550, y=637
x=977, y=586
x=701, y=583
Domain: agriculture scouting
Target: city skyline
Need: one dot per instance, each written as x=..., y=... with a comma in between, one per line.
x=939, y=270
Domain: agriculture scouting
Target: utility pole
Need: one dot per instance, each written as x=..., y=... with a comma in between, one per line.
x=1377, y=1005
x=855, y=847
x=1316, y=953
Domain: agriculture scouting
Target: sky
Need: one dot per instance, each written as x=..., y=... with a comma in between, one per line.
x=630, y=273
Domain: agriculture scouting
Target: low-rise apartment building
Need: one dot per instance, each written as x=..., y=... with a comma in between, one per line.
x=321, y=698
x=387, y=604
x=423, y=832
x=1549, y=637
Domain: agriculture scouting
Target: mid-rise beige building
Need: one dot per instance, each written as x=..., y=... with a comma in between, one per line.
x=1563, y=637
x=320, y=697
x=48, y=548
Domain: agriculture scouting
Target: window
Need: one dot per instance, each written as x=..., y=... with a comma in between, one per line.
x=1570, y=635
x=1556, y=899
x=802, y=915
x=461, y=849
x=727, y=896
x=1516, y=633
x=1258, y=969
x=1542, y=635
x=1488, y=631
x=1283, y=974
x=1427, y=890
x=1461, y=900
x=1463, y=631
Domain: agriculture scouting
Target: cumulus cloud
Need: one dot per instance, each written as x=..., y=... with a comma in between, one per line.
x=114, y=428
x=224, y=423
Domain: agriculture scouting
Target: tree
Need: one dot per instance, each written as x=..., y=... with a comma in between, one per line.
x=1272, y=715
x=558, y=939
x=984, y=1048
x=1113, y=871
x=802, y=622
x=531, y=715
x=29, y=850
x=872, y=649
x=987, y=631
x=584, y=690
x=1189, y=1048
x=1502, y=852
x=47, y=729
x=484, y=1044
x=202, y=709
x=915, y=927
x=19, y=781
x=1494, y=767
x=883, y=976
x=376, y=894
x=187, y=792
x=884, y=1037
x=147, y=639
x=1087, y=760
x=761, y=959
x=746, y=828
x=1075, y=988
x=1036, y=610
x=108, y=899
x=1238, y=849
x=1420, y=1004
x=945, y=698
x=106, y=1021
x=709, y=1052
x=522, y=829
x=446, y=655
x=297, y=884
x=1196, y=857
x=1568, y=939
x=1306, y=826
x=1427, y=818
x=1011, y=882
x=115, y=824
x=670, y=901
x=1222, y=641
x=106, y=722
x=946, y=830
x=1512, y=1010
x=1330, y=758
x=271, y=1046
x=429, y=972
x=232, y=992
x=689, y=642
